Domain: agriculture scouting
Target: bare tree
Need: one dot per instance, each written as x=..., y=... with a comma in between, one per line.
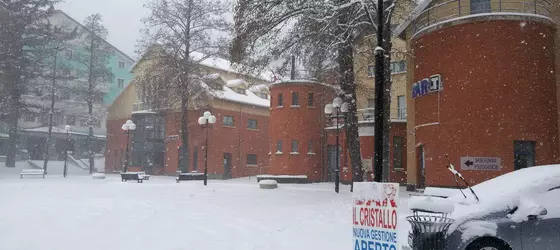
x=94, y=61
x=177, y=36
x=22, y=52
x=58, y=41
x=294, y=26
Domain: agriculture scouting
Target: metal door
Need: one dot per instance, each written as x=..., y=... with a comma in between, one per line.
x=331, y=162
x=421, y=167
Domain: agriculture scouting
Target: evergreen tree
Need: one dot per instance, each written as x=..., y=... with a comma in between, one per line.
x=23, y=36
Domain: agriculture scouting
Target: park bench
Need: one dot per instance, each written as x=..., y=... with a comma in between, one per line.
x=35, y=172
x=190, y=177
x=135, y=176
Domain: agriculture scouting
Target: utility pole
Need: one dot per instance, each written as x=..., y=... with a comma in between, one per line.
x=379, y=91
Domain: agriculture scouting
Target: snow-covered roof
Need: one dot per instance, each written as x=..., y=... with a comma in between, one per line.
x=259, y=88
x=68, y=17
x=249, y=97
x=144, y=112
x=57, y=130
x=235, y=83
x=223, y=64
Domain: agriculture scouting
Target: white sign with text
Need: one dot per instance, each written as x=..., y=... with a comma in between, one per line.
x=481, y=163
x=375, y=216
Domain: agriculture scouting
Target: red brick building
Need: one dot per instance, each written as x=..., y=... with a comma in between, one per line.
x=483, y=88
x=303, y=138
x=238, y=142
x=297, y=125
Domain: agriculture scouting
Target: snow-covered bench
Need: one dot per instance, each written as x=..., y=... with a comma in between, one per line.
x=268, y=184
x=35, y=172
x=190, y=177
x=284, y=178
x=135, y=176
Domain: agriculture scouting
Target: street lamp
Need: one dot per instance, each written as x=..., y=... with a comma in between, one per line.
x=335, y=109
x=127, y=127
x=67, y=144
x=205, y=122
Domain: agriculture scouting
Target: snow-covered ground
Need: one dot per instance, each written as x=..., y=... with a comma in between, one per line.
x=82, y=213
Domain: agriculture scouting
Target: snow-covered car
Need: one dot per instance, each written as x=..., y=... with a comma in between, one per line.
x=518, y=210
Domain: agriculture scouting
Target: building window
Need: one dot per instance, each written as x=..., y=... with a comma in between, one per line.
x=121, y=65
x=29, y=117
x=371, y=71
x=195, y=159
x=228, y=121
x=295, y=99
x=96, y=123
x=66, y=72
x=310, y=100
x=398, y=67
x=239, y=91
x=65, y=95
x=44, y=118
x=251, y=159
x=69, y=54
x=215, y=85
x=295, y=146
x=523, y=154
x=70, y=120
x=252, y=124
x=398, y=148
x=58, y=119
x=279, y=146
x=480, y=6
x=280, y=100
x=371, y=103
x=310, y=147
x=401, y=107
x=264, y=95
x=120, y=83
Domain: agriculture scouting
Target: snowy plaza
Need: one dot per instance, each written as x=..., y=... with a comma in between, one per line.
x=82, y=213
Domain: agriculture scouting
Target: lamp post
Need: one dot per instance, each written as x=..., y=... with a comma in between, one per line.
x=205, y=122
x=65, y=170
x=335, y=109
x=127, y=127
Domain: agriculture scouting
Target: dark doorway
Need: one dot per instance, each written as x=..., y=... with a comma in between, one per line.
x=331, y=162
x=523, y=154
x=421, y=167
x=227, y=166
x=195, y=159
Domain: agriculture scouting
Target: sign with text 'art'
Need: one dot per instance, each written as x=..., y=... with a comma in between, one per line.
x=375, y=216
x=426, y=86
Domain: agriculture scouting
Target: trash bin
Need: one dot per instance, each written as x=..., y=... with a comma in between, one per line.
x=429, y=230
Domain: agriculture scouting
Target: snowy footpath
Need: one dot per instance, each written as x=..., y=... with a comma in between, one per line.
x=82, y=213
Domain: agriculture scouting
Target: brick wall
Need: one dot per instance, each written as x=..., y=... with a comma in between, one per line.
x=304, y=124
x=499, y=86
x=237, y=140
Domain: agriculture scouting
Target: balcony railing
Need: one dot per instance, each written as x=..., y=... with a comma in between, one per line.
x=368, y=114
x=462, y=8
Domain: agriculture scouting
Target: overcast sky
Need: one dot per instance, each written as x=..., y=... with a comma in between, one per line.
x=120, y=17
